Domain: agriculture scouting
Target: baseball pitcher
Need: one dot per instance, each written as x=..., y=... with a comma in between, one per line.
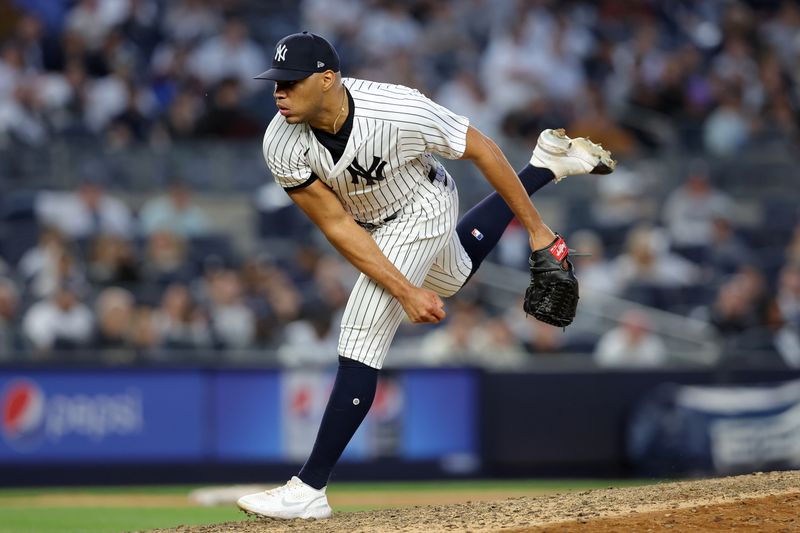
x=359, y=158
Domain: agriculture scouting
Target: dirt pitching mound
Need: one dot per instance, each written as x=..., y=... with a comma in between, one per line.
x=756, y=502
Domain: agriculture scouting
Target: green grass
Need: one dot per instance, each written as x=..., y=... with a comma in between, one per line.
x=108, y=519
x=17, y=517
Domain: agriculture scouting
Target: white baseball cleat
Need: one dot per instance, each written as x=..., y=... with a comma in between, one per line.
x=567, y=157
x=295, y=499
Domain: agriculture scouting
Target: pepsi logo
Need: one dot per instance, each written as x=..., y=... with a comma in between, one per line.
x=302, y=401
x=388, y=401
x=23, y=410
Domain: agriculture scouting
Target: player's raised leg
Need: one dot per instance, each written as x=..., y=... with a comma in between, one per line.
x=555, y=157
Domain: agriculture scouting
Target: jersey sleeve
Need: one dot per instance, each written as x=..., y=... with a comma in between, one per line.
x=443, y=132
x=285, y=155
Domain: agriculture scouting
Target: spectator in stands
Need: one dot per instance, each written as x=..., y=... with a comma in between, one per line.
x=282, y=296
x=87, y=212
x=131, y=125
x=331, y=17
x=793, y=248
x=230, y=55
x=740, y=303
x=543, y=339
x=596, y=272
x=648, y=262
x=772, y=340
x=190, y=20
x=277, y=301
x=114, y=309
x=450, y=50
x=728, y=128
x=494, y=345
x=180, y=120
x=166, y=259
x=49, y=246
x=789, y=295
x=388, y=31
x=508, y=70
x=22, y=117
x=596, y=122
x=9, y=303
x=29, y=36
x=232, y=322
x=180, y=324
x=332, y=280
x=64, y=97
x=174, y=212
x=690, y=210
x=145, y=336
x=785, y=335
x=59, y=322
x=620, y=203
x=306, y=341
x=631, y=344
x=226, y=118
x=453, y=341
x=112, y=260
x=726, y=252
x=464, y=94
x=93, y=19
x=58, y=266
x=781, y=32
x=12, y=69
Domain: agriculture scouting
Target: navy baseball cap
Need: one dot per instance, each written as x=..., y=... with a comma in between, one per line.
x=299, y=55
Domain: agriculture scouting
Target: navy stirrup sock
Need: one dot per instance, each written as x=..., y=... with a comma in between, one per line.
x=351, y=398
x=482, y=226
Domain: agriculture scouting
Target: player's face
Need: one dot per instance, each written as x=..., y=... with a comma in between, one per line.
x=298, y=101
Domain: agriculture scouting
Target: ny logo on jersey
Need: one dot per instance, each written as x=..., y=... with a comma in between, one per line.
x=280, y=52
x=370, y=175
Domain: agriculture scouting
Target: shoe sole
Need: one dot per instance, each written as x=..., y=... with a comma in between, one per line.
x=556, y=142
x=606, y=164
x=262, y=517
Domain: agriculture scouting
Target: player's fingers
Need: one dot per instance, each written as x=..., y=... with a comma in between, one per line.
x=438, y=313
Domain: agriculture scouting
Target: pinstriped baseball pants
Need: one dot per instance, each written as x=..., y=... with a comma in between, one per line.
x=421, y=242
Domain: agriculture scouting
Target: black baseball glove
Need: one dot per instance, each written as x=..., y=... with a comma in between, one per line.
x=552, y=296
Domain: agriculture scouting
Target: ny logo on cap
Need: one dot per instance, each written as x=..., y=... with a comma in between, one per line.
x=280, y=52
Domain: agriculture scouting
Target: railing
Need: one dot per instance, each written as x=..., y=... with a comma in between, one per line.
x=688, y=341
x=224, y=166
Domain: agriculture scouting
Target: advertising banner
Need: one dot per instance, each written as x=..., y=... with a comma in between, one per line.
x=416, y=414
x=720, y=430
x=97, y=416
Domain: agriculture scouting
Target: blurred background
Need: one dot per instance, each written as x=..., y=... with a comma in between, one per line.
x=159, y=294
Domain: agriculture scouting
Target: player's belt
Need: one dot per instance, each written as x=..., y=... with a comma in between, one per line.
x=433, y=176
x=369, y=226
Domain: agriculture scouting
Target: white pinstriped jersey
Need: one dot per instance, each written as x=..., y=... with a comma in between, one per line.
x=384, y=174
x=395, y=131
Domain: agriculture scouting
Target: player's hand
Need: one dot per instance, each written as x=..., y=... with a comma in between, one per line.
x=422, y=306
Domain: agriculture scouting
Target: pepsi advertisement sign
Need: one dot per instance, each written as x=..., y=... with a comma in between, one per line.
x=93, y=416
x=416, y=415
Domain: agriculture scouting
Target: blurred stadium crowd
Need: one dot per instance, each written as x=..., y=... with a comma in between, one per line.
x=704, y=79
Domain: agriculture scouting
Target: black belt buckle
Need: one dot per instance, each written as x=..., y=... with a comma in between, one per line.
x=433, y=174
x=369, y=226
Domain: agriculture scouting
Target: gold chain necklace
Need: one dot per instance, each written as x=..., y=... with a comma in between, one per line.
x=344, y=91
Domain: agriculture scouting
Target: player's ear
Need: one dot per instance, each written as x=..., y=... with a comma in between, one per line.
x=328, y=80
